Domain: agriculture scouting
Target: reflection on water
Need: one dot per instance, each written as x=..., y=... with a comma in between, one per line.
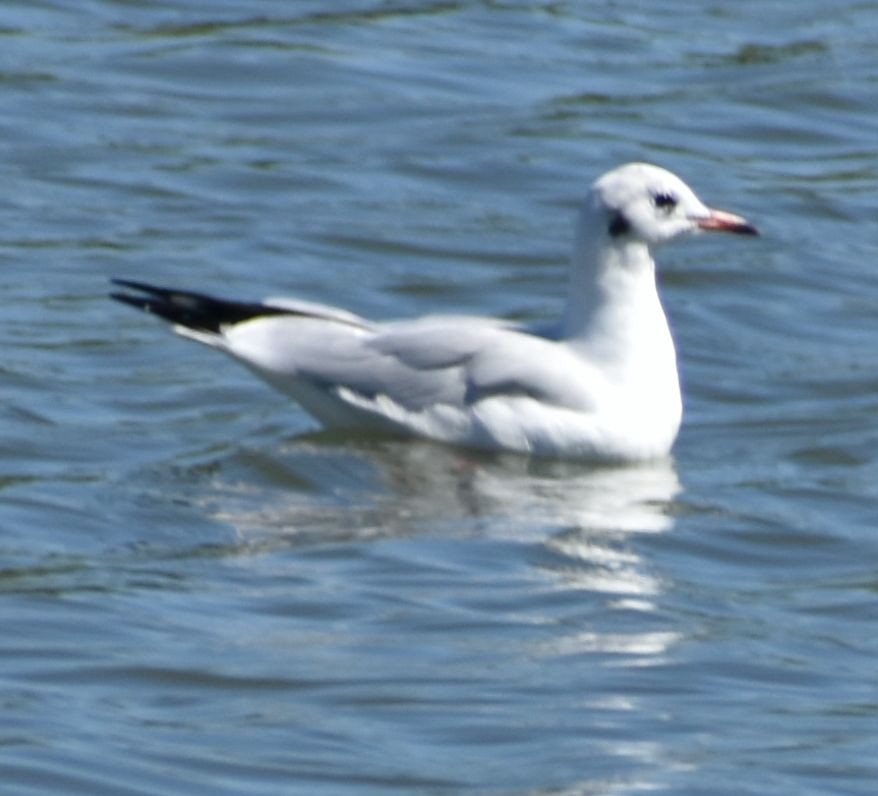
x=577, y=518
x=394, y=483
x=476, y=557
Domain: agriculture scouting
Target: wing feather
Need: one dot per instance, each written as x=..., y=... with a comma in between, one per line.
x=452, y=362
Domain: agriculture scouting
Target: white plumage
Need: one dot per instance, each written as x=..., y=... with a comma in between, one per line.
x=601, y=385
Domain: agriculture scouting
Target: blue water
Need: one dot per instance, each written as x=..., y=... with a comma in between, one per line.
x=200, y=594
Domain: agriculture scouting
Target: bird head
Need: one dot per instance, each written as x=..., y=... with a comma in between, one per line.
x=642, y=203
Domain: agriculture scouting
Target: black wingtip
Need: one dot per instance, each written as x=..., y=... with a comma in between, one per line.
x=185, y=308
x=159, y=302
x=143, y=288
x=140, y=287
x=139, y=302
x=175, y=306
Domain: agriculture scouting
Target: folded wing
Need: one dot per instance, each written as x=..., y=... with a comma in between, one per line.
x=404, y=375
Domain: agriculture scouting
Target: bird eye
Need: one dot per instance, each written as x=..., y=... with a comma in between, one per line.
x=665, y=201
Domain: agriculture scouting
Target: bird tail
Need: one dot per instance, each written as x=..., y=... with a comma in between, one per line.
x=195, y=315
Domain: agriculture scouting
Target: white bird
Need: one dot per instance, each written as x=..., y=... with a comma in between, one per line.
x=601, y=385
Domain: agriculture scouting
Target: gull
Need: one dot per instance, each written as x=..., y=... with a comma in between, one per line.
x=601, y=384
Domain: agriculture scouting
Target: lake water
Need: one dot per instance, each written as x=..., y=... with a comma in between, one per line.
x=201, y=595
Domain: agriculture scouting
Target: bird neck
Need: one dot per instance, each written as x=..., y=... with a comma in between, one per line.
x=614, y=315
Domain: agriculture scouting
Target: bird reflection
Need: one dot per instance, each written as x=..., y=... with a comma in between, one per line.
x=526, y=573
x=320, y=490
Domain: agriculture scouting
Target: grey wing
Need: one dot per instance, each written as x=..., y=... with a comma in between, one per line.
x=417, y=365
x=334, y=355
x=316, y=310
x=479, y=359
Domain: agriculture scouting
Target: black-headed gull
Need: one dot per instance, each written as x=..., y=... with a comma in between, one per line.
x=603, y=385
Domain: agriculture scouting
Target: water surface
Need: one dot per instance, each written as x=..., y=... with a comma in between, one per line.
x=200, y=594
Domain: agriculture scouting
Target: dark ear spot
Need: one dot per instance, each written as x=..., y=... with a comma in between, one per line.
x=619, y=225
